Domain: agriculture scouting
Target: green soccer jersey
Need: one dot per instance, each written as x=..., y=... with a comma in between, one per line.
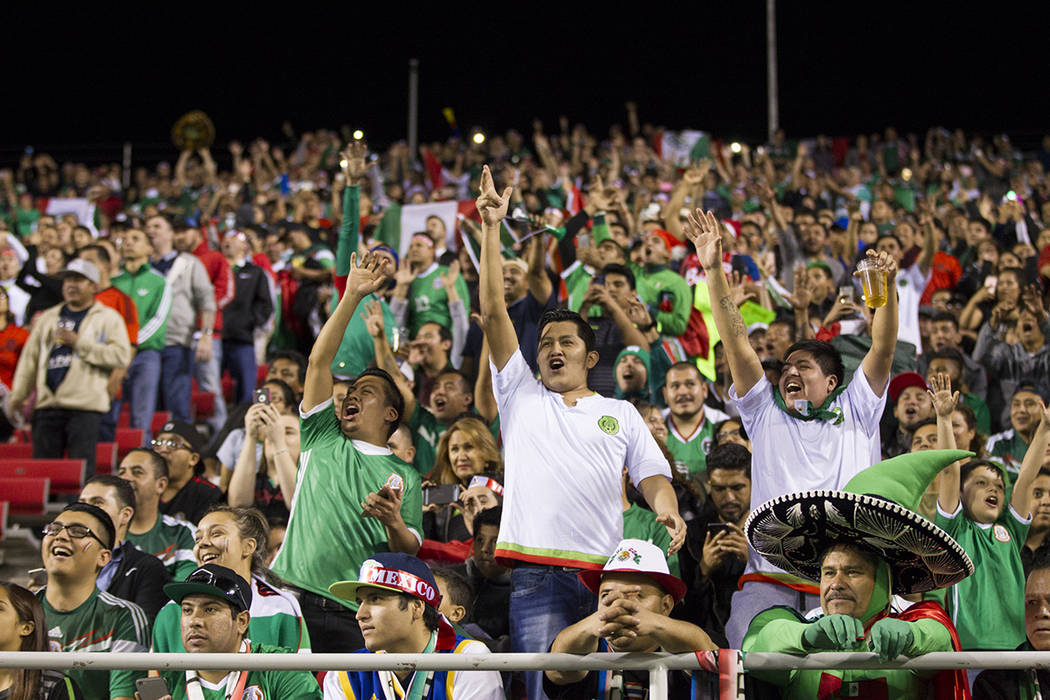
x=171, y=541
x=640, y=524
x=660, y=287
x=691, y=451
x=995, y=591
x=327, y=538
x=259, y=685
x=1010, y=448
x=149, y=291
x=276, y=620
x=577, y=279
x=428, y=299
x=101, y=623
x=357, y=349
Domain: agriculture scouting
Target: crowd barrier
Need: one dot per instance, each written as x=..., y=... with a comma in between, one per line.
x=733, y=662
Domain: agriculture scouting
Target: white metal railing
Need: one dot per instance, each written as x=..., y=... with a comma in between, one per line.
x=657, y=663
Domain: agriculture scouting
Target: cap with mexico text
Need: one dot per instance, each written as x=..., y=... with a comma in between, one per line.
x=392, y=571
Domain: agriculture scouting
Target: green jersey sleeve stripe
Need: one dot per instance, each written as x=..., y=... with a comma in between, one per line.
x=159, y=318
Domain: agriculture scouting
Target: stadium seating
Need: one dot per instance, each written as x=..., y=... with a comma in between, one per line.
x=66, y=475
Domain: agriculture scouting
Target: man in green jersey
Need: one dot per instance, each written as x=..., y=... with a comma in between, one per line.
x=80, y=617
x=420, y=295
x=353, y=497
x=167, y=538
x=690, y=428
x=215, y=603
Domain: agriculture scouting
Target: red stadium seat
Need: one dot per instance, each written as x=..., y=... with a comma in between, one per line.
x=127, y=440
x=260, y=376
x=202, y=404
x=66, y=475
x=16, y=450
x=105, y=457
x=26, y=496
x=227, y=388
x=159, y=419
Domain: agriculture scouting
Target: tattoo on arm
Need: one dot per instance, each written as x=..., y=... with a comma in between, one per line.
x=736, y=322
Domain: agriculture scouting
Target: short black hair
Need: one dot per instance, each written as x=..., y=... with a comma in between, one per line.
x=464, y=380
x=824, y=354
x=948, y=353
x=685, y=364
x=393, y=394
x=583, y=329
x=443, y=332
x=1040, y=562
x=292, y=356
x=99, y=515
x=181, y=225
x=623, y=270
x=946, y=316
x=125, y=493
x=489, y=516
x=457, y=588
x=923, y=423
x=866, y=554
x=884, y=236
x=968, y=468
x=157, y=460
x=99, y=250
x=431, y=616
x=731, y=457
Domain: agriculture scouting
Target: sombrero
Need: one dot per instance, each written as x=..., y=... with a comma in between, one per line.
x=875, y=511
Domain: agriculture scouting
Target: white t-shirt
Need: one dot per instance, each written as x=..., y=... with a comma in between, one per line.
x=790, y=454
x=911, y=283
x=562, y=503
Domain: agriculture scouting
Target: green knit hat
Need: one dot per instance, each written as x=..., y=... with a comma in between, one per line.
x=639, y=352
x=875, y=511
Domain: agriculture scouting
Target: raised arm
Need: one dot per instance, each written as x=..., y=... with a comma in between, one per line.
x=385, y=359
x=484, y=399
x=944, y=402
x=495, y=320
x=879, y=360
x=1033, y=460
x=745, y=367
x=539, y=283
x=363, y=279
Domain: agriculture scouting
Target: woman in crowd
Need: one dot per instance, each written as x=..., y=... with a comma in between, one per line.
x=465, y=450
x=267, y=481
x=22, y=628
x=231, y=438
x=238, y=539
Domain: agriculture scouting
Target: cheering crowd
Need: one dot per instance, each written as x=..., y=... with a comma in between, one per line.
x=571, y=393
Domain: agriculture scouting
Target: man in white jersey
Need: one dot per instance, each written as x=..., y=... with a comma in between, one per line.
x=810, y=432
x=565, y=449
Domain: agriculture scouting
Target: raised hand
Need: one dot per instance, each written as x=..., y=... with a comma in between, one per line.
x=739, y=288
x=373, y=317
x=356, y=165
x=598, y=198
x=883, y=261
x=449, y=280
x=1032, y=296
x=705, y=231
x=366, y=278
x=944, y=401
x=404, y=275
x=803, y=294
x=491, y=205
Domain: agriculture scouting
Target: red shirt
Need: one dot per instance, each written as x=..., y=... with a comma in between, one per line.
x=125, y=306
x=221, y=278
x=945, y=272
x=12, y=339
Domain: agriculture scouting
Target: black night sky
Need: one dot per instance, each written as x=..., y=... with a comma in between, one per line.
x=84, y=80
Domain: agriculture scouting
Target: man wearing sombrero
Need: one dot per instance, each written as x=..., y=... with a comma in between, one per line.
x=862, y=544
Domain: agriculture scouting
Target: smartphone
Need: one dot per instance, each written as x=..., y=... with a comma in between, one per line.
x=600, y=279
x=991, y=281
x=846, y=294
x=152, y=688
x=441, y=495
x=262, y=395
x=715, y=528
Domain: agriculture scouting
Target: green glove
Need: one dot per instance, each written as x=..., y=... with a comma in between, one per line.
x=835, y=632
x=889, y=638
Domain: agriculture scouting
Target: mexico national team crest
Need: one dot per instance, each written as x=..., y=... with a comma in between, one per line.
x=253, y=693
x=1001, y=533
x=624, y=555
x=609, y=425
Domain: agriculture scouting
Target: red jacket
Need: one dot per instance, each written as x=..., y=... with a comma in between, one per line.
x=221, y=278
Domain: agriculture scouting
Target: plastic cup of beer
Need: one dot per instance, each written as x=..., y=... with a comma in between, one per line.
x=873, y=280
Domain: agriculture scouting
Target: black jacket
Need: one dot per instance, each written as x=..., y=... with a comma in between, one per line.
x=1007, y=685
x=140, y=578
x=251, y=305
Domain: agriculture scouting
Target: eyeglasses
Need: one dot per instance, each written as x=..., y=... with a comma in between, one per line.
x=168, y=445
x=75, y=530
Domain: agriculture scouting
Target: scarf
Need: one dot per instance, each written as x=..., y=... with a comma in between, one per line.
x=822, y=412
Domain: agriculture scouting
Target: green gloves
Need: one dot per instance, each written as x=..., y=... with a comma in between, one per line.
x=889, y=638
x=834, y=632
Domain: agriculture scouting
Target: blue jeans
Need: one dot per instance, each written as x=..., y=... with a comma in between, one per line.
x=141, y=384
x=209, y=380
x=239, y=358
x=176, y=386
x=544, y=600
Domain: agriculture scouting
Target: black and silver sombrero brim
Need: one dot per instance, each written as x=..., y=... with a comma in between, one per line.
x=793, y=531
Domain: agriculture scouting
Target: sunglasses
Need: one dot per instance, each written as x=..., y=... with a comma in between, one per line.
x=168, y=444
x=76, y=532
x=230, y=587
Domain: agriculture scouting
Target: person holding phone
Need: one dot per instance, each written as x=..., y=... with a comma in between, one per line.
x=266, y=481
x=214, y=602
x=465, y=450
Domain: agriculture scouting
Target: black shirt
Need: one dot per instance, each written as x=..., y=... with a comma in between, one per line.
x=61, y=356
x=193, y=500
x=140, y=578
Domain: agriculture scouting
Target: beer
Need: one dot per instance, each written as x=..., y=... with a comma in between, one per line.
x=873, y=281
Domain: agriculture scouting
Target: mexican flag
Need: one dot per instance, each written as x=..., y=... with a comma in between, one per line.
x=79, y=207
x=683, y=147
x=400, y=222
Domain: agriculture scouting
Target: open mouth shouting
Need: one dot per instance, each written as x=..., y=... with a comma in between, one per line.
x=556, y=364
x=793, y=386
x=992, y=501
